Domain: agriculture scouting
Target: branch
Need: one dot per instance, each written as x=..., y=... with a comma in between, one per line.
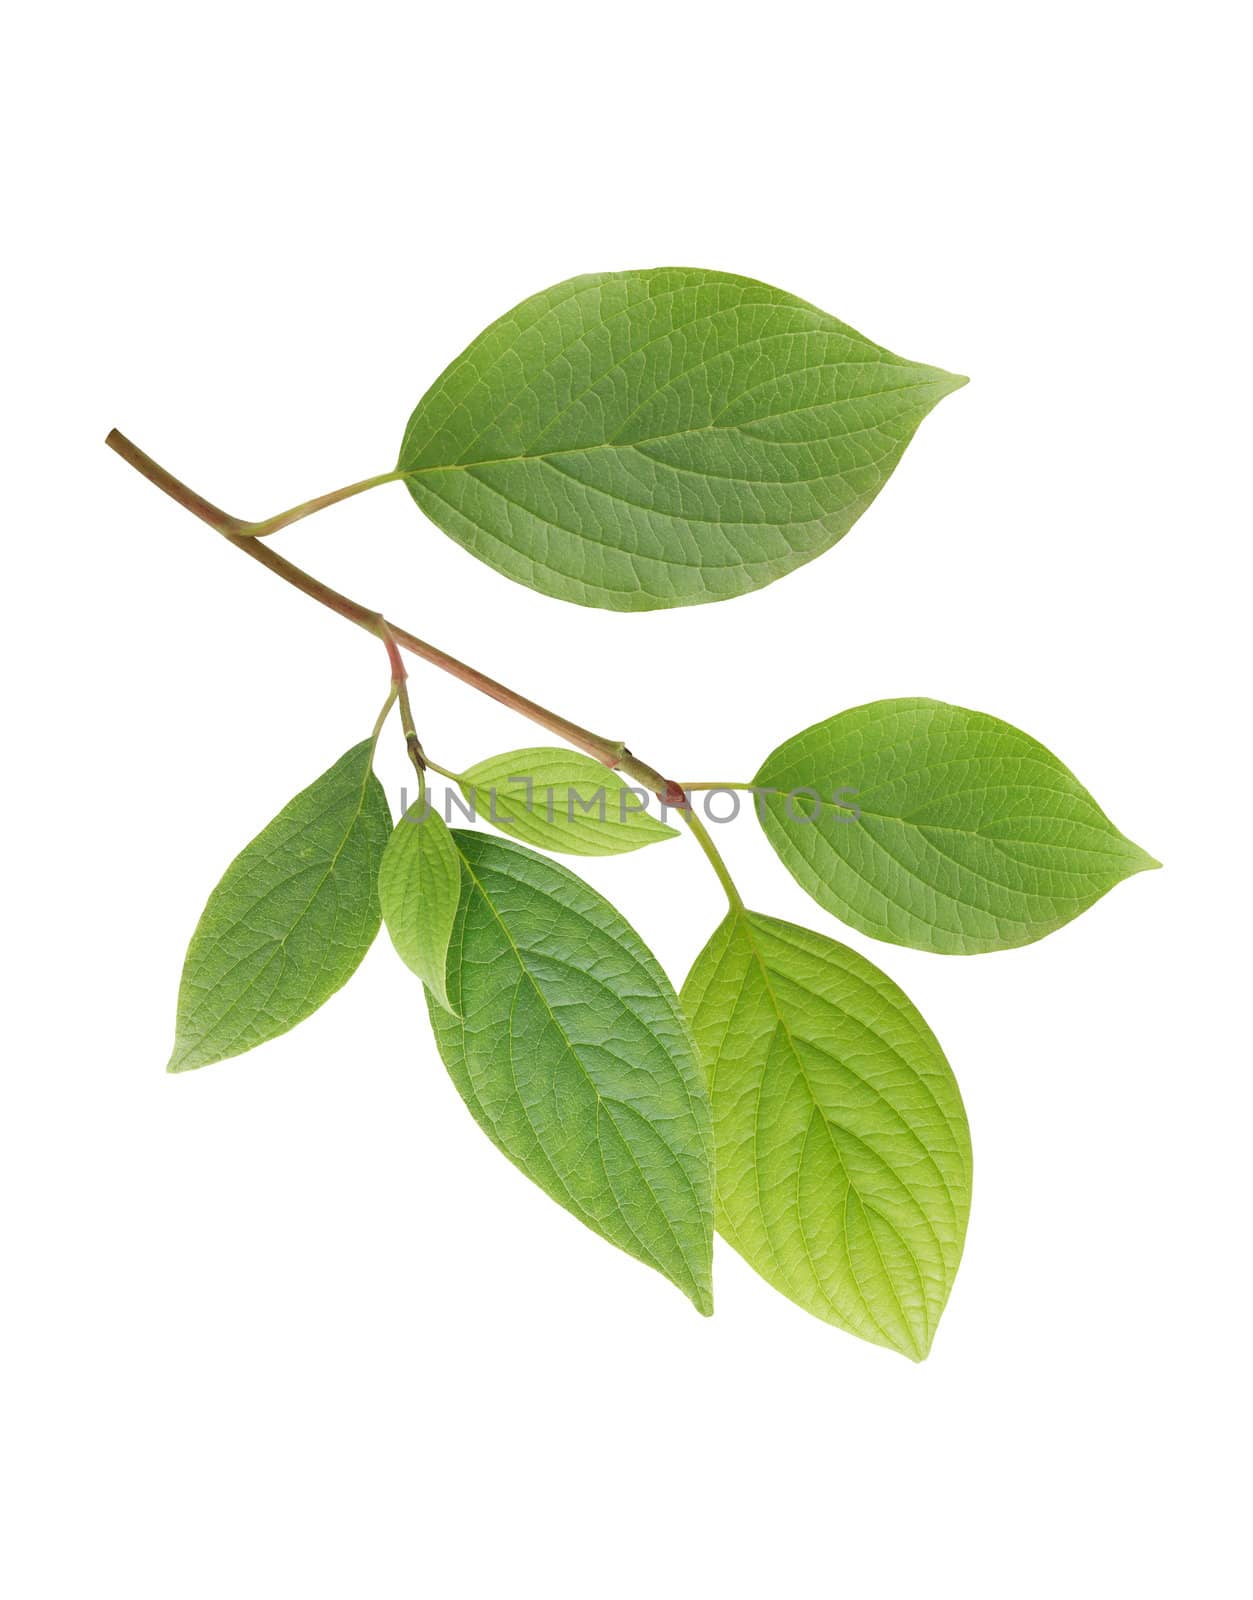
x=611, y=753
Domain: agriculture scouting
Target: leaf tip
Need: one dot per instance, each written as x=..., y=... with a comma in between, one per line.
x=187, y=1057
x=1141, y=860
x=702, y=1297
x=441, y=999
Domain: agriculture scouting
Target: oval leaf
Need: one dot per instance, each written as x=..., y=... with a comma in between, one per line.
x=419, y=887
x=571, y=1051
x=561, y=800
x=928, y=825
x=290, y=920
x=843, y=1154
x=661, y=438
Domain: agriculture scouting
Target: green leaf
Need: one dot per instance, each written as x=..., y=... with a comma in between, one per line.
x=561, y=800
x=419, y=887
x=971, y=836
x=843, y=1155
x=571, y=1051
x=290, y=920
x=661, y=438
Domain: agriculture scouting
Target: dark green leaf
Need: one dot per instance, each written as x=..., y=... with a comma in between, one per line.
x=290, y=920
x=571, y=1051
x=661, y=438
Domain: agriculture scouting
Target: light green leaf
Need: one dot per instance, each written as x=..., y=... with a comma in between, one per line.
x=661, y=438
x=290, y=920
x=419, y=887
x=971, y=836
x=571, y=1051
x=843, y=1155
x=561, y=800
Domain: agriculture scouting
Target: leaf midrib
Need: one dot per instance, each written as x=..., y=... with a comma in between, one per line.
x=638, y=444
x=969, y=833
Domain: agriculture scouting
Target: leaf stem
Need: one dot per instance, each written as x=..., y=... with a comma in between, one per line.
x=714, y=857
x=453, y=777
x=696, y=786
x=612, y=753
x=382, y=716
x=412, y=743
x=260, y=530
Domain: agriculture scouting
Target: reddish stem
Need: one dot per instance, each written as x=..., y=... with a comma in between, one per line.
x=610, y=752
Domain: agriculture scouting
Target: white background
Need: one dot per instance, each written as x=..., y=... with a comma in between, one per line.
x=289, y=1326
